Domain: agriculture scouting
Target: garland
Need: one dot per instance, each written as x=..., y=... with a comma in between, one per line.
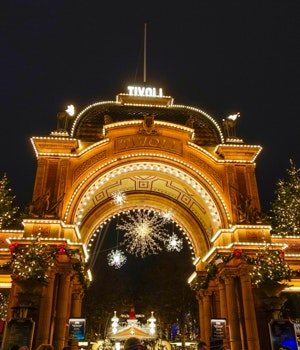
x=269, y=267
x=34, y=261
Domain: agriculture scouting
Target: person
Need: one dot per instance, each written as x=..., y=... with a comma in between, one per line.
x=133, y=343
x=202, y=345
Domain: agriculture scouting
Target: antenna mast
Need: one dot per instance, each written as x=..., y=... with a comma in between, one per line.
x=145, y=41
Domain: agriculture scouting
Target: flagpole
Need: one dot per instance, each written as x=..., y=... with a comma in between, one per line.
x=145, y=46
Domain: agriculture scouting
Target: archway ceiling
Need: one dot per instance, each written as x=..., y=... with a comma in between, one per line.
x=146, y=178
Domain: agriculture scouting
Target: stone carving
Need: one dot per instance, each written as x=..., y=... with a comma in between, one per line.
x=42, y=207
x=247, y=214
x=148, y=126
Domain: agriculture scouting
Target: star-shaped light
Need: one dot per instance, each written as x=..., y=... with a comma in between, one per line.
x=119, y=197
x=174, y=243
x=116, y=258
x=144, y=232
x=167, y=215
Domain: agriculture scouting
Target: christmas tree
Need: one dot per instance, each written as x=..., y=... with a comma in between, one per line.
x=9, y=214
x=270, y=267
x=284, y=215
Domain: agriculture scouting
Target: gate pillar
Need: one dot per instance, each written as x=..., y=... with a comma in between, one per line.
x=61, y=318
x=233, y=315
x=43, y=335
x=249, y=312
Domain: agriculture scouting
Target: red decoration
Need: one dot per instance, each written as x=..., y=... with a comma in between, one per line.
x=61, y=248
x=12, y=247
x=237, y=253
x=281, y=252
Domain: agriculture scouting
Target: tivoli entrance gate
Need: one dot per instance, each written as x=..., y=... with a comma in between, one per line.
x=162, y=156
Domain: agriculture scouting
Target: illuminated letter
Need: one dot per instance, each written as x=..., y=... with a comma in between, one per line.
x=141, y=91
x=149, y=91
x=130, y=89
x=160, y=92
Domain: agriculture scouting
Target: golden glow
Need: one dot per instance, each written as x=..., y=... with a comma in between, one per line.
x=90, y=276
x=244, y=244
x=192, y=277
x=224, y=161
x=117, y=102
x=235, y=227
x=207, y=201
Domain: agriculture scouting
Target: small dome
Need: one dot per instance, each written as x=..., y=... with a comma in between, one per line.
x=88, y=125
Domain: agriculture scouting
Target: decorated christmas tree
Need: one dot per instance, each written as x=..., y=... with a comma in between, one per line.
x=270, y=267
x=8, y=212
x=31, y=262
x=284, y=215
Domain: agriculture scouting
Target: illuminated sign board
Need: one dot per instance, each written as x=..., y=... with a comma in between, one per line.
x=283, y=334
x=144, y=91
x=76, y=328
x=218, y=328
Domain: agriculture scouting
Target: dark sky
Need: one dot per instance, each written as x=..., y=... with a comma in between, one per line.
x=220, y=56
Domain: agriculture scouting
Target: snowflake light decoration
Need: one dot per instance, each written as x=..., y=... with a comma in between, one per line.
x=116, y=258
x=174, y=243
x=119, y=198
x=167, y=215
x=144, y=232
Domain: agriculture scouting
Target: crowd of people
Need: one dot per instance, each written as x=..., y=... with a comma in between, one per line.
x=131, y=343
x=135, y=344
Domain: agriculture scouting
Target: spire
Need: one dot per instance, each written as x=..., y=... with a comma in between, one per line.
x=145, y=51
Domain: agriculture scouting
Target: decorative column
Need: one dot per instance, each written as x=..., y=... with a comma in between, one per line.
x=201, y=313
x=223, y=306
x=249, y=312
x=45, y=315
x=61, y=318
x=222, y=293
x=207, y=315
x=233, y=316
x=76, y=302
x=77, y=295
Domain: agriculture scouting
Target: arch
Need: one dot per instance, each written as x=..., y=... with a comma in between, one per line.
x=164, y=186
x=162, y=156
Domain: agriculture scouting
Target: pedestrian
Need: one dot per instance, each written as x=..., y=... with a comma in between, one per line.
x=202, y=345
x=133, y=344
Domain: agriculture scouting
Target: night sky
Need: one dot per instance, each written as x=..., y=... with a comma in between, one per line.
x=220, y=56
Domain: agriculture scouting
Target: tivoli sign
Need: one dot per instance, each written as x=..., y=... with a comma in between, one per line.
x=144, y=91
